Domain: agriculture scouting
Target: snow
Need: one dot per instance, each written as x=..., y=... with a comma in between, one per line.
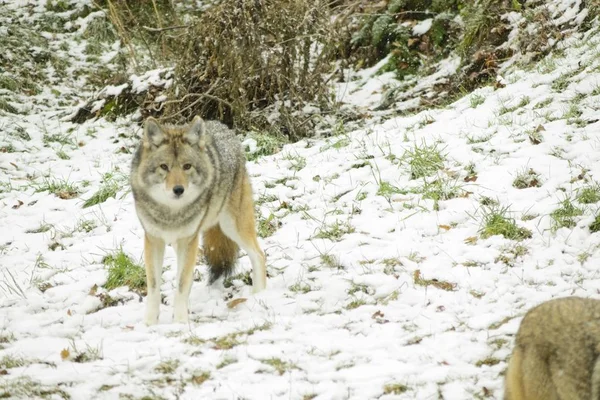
x=364, y=322
x=422, y=27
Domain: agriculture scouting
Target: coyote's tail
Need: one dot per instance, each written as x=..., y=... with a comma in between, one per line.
x=221, y=253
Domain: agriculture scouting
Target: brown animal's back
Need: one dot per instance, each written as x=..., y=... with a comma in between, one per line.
x=556, y=351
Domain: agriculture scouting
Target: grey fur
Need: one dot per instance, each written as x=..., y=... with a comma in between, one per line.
x=218, y=161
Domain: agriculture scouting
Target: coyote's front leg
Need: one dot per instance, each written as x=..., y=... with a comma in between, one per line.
x=154, y=252
x=187, y=250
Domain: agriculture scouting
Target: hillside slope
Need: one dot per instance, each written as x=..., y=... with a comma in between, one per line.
x=401, y=256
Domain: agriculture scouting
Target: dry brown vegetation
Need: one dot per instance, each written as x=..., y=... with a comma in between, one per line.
x=254, y=67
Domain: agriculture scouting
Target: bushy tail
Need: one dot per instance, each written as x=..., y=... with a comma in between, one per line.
x=221, y=253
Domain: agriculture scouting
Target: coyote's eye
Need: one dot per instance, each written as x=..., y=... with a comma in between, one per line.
x=164, y=166
x=187, y=166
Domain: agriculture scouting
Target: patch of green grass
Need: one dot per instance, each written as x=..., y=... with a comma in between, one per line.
x=266, y=226
x=360, y=288
x=546, y=65
x=111, y=185
x=61, y=188
x=557, y=152
x=279, y=365
x=10, y=361
x=265, y=145
x=7, y=107
x=583, y=257
x=300, y=287
x=543, y=104
x=44, y=227
x=297, y=162
x=595, y=225
x=167, y=366
x=497, y=222
x=89, y=354
x=390, y=265
x=8, y=148
x=225, y=362
x=423, y=160
x=5, y=338
x=229, y=340
x=525, y=100
x=245, y=277
x=386, y=189
x=561, y=83
x=199, y=378
x=527, y=178
x=480, y=139
x=489, y=361
x=442, y=189
x=420, y=281
x=57, y=6
x=589, y=194
x=62, y=155
x=123, y=271
x=23, y=387
x=476, y=100
x=226, y=342
x=338, y=144
x=86, y=225
x=535, y=136
x=572, y=114
x=100, y=29
x=394, y=388
x=335, y=231
x=355, y=304
x=266, y=198
x=564, y=216
x=360, y=196
x=63, y=139
x=331, y=261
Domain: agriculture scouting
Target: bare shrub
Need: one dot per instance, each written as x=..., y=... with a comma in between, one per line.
x=243, y=56
x=253, y=64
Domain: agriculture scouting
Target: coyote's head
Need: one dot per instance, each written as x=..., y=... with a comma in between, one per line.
x=175, y=165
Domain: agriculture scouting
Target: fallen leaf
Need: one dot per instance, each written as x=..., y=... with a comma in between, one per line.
x=93, y=290
x=445, y=227
x=69, y=312
x=471, y=240
x=233, y=303
x=64, y=354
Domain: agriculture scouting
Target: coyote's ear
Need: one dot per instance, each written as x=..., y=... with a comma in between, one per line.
x=196, y=134
x=153, y=132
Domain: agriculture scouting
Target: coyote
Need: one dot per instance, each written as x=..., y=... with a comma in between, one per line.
x=186, y=181
x=556, y=352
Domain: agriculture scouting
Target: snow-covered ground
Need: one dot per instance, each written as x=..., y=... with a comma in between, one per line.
x=375, y=289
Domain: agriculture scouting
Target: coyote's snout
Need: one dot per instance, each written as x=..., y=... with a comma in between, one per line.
x=188, y=181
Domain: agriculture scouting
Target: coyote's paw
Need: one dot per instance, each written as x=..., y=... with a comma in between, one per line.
x=258, y=286
x=180, y=315
x=181, y=318
x=151, y=318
